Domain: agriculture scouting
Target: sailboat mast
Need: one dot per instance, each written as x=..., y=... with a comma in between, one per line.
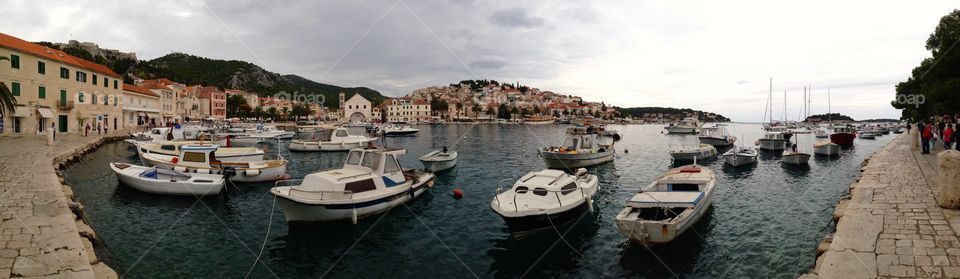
x=784, y=106
x=829, y=108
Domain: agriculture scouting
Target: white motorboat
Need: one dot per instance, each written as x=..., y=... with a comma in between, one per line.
x=716, y=136
x=867, y=135
x=541, y=198
x=226, y=154
x=337, y=139
x=688, y=125
x=370, y=181
x=669, y=206
x=397, y=130
x=796, y=158
x=689, y=153
x=821, y=133
x=826, y=148
x=740, y=156
x=538, y=120
x=582, y=147
x=263, y=133
x=772, y=141
x=167, y=182
x=203, y=159
x=439, y=160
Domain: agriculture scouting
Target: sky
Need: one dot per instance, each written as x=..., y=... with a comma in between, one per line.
x=716, y=56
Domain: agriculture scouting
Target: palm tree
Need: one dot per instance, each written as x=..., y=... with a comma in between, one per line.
x=7, y=101
x=284, y=113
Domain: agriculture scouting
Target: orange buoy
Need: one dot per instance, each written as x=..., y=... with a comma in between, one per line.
x=174, y=160
x=457, y=194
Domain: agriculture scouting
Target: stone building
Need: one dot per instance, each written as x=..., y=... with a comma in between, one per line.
x=356, y=109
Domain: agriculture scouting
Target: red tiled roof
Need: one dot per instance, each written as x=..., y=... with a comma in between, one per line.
x=139, y=90
x=18, y=44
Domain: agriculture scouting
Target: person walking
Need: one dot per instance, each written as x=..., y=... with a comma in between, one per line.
x=99, y=129
x=948, y=137
x=86, y=130
x=53, y=127
x=925, y=136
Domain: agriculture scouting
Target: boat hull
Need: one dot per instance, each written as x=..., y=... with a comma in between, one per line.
x=716, y=141
x=827, y=149
x=400, y=133
x=438, y=166
x=690, y=156
x=299, y=212
x=326, y=146
x=738, y=160
x=796, y=158
x=843, y=139
x=555, y=160
x=772, y=144
x=163, y=187
x=541, y=221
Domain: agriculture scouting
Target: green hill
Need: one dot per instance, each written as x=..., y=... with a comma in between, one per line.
x=234, y=74
x=675, y=112
x=828, y=116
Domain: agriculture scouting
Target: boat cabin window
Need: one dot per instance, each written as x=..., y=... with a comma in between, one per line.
x=360, y=186
x=570, y=143
x=194, y=157
x=569, y=188
x=540, y=191
x=155, y=132
x=684, y=187
x=168, y=147
x=341, y=133
x=353, y=158
x=587, y=143
x=371, y=160
x=522, y=190
x=391, y=165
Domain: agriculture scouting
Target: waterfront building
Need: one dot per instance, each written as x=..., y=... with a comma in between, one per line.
x=168, y=101
x=356, y=109
x=252, y=99
x=214, y=101
x=407, y=110
x=53, y=87
x=141, y=107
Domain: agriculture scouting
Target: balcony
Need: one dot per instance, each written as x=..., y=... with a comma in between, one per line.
x=63, y=105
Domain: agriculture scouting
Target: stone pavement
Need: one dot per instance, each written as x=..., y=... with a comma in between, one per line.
x=39, y=235
x=892, y=226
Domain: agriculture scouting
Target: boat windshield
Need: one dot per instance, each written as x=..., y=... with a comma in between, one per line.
x=341, y=133
x=353, y=158
x=570, y=143
x=371, y=160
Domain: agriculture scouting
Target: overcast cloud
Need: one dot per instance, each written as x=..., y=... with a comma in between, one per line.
x=709, y=55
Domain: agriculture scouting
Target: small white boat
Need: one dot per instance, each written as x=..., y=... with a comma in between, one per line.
x=337, y=139
x=826, y=148
x=370, y=181
x=167, y=182
x=669, y=206
x=794, y=157
x=821, y=134
x=582, y=147
x=867, y=135
x=716, y=136
x=740, y=156
x=203, y=159
x=688, y=125
x=541, y=198
x=226, y=154
x=690, y=153
x=439, y=160
x=772, y=141
x=397, y=130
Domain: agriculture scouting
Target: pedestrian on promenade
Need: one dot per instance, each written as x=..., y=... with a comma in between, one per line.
x=955, y=136
x=99, y=128
x=86, y=130
x=908, y=128
x=940, y=127
x=925, y=136
x=53, y=127
x=948, y=137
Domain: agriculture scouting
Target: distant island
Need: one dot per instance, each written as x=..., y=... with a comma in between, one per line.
x=828, y=117
x=666, y=114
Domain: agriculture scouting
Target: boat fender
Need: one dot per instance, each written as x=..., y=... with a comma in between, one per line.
x=251, y=172
x=354, y=216
x=590, y=204
x=175, y=159
x=204, y=171
x=180, y=169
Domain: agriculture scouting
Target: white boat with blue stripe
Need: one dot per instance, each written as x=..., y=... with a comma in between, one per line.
x=666, y=208
x=371, y=181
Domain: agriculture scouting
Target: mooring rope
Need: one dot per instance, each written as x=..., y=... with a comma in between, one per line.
x=265, y=238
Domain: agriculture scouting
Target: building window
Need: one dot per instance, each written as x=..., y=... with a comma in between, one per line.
x=114, y=100
x=14, y=61
x=114, y=84
x=94, y=79
x=80, y=97
x=93, y=98
x=41, y=68
x=105, y=82
x=42, y=92
x=64, y=73
x=63, y=97
x=106, y=100
x=15, y=87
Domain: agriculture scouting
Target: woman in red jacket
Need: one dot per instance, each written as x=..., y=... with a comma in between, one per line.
x=925, y=138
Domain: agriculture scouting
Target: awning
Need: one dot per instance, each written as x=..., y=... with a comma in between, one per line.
x=45, y=112
x=21, y=111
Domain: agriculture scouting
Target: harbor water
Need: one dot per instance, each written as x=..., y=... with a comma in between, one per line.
x=766, y=219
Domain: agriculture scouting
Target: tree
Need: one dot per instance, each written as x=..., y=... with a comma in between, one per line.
x=503, y=112
x=244, y=111
x=438, y=105
x=7, y=101
x=476, y=109
x=536, y=109
x=556, y=114
x=301, y=110
x=932, y=87
x=459, y=108
x=491, y=111
x=233, y=105
x=272, y=113
x=284, y=113
x=258, y=113
x=515, y=112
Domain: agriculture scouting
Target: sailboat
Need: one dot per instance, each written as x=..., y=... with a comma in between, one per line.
x=794, y=156
x=826, y=147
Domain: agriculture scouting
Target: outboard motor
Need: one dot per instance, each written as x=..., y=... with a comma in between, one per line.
x=228, y=172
